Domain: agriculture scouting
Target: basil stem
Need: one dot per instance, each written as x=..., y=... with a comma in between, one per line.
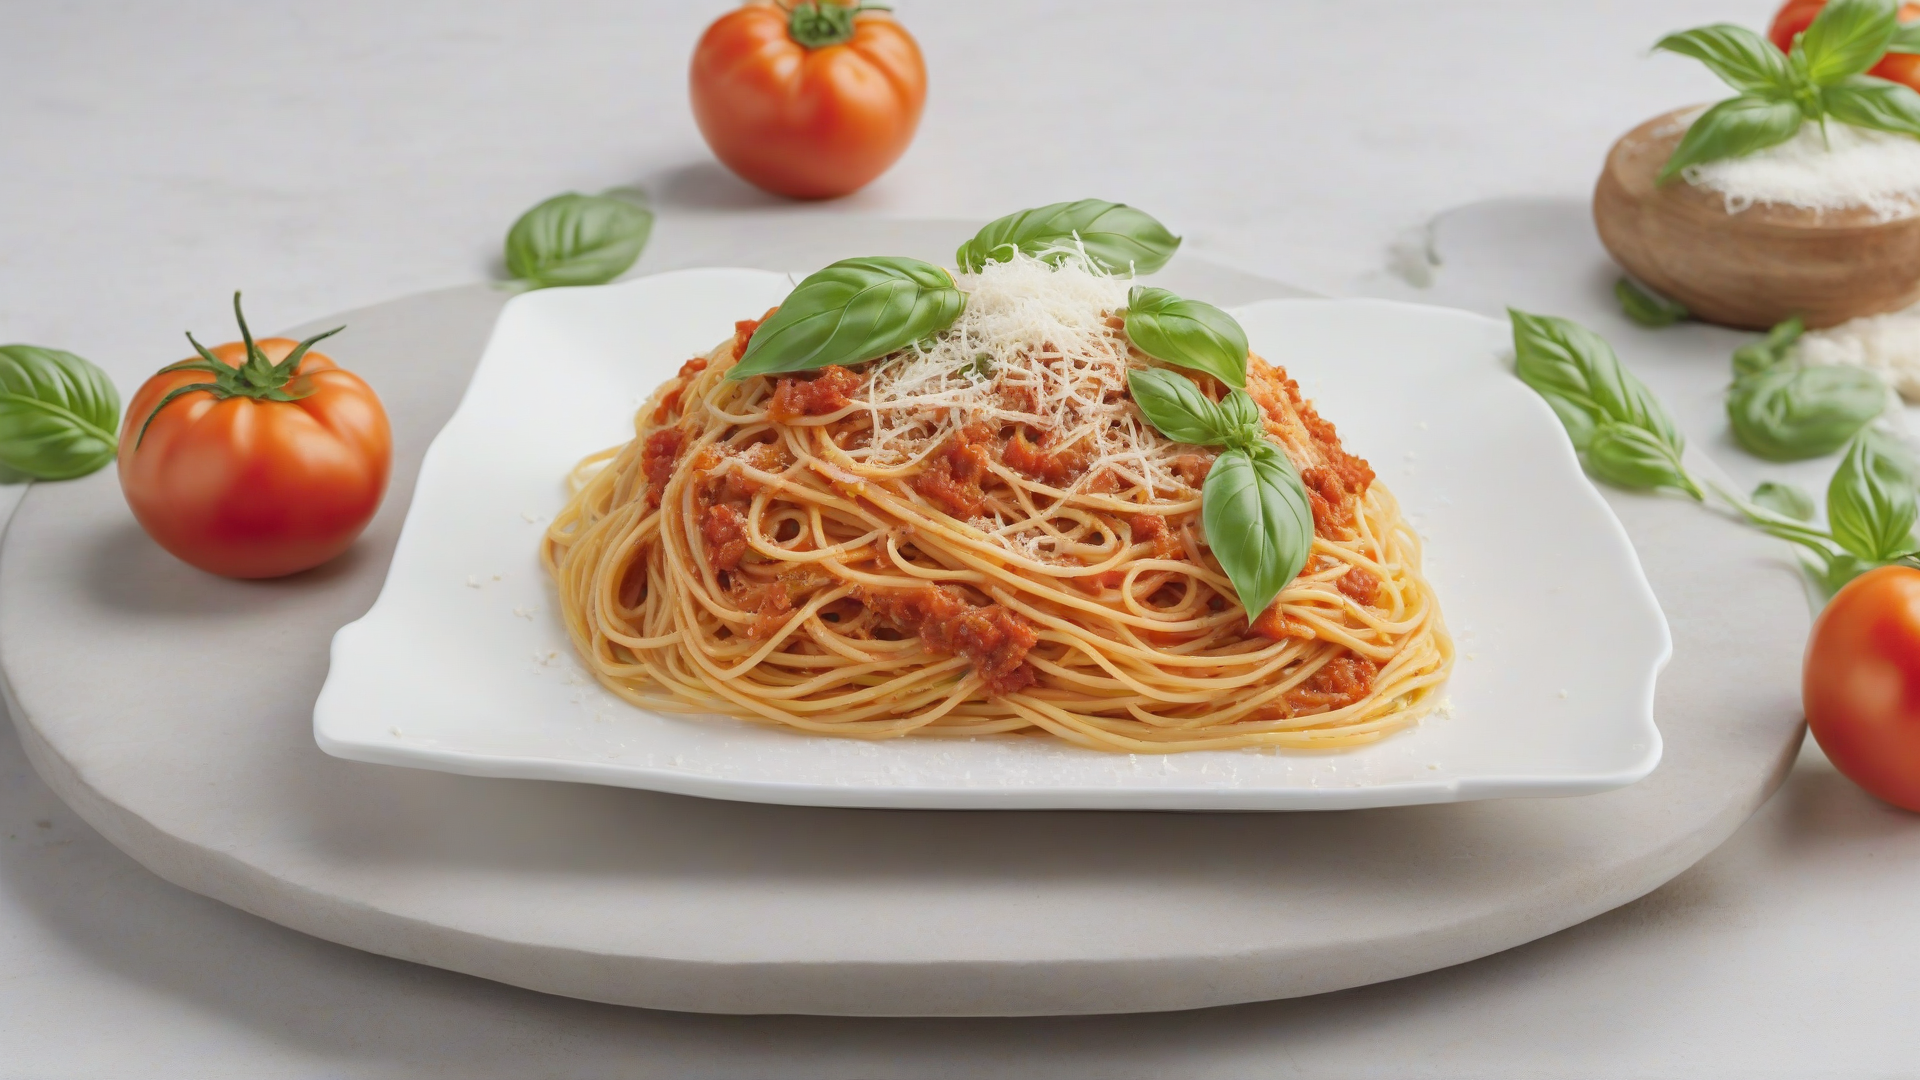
x=1791, y=412
x=1115, y=237
x=1620, y=430
x=1871, y=505
x=1187, y=333
x=1646, y=307
x=1784, y=499
x=576, y=239
x=1258, y=522
x=851, y=312
x=58, y=414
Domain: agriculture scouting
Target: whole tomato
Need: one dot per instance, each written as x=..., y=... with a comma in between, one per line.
x=1861, y=686
x=1796, y=15
x=809, y=101
x=255, y=459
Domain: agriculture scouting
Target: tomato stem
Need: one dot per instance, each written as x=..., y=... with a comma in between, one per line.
x=816, y=24
x=256, y=377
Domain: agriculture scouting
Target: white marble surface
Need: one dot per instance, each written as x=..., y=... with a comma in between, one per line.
x=327, y=156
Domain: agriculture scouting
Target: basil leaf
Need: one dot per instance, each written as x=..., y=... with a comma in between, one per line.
x=1848, y=37
x=1632, y=457
x=1785, y=500
x=1258, y=522
x=58, y=414
x=1188, y=334
x=1744, y=59
x=576, y=239
x=1734, y=128
x=1579, y=375
x=1116, y=237
x=1870, y=502
x=1182, y=413
x=1646, y=307
x=1865, y=101
x=1761, y=355
x=1790, y=413
x=1906, y=40
x=853, y=311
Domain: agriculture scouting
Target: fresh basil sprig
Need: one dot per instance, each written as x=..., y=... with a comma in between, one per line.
x=1258, y=520
x=576, y=239
x=1115, y=236
x=851, y=312
x=1646, y=307
x=1620, y=430
x=1188, y=334
x=1906, y=39
x=1871, y=511
x=1824, y=74
x=1791, y=412
x=58, y=414
x=1785, y=499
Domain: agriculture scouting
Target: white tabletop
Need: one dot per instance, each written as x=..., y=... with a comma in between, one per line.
x=327, y=156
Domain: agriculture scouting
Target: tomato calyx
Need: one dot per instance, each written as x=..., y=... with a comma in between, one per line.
x=816, y=24
x=257, y=377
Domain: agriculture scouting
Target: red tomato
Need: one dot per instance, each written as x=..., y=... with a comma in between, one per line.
x=809, y=103
x=261, y=468
x=1796, y=15
x=1861, y=686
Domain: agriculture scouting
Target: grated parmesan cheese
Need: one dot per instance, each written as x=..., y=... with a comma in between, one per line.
x=1844, y=168
x=1888, y=345
x=1036, y=345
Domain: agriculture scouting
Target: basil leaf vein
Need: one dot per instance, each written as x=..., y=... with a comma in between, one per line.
x=576, y=239
x=1865, y=101
x=1735, y=127
x=1258, y=522
x=1871, y=505
x=1789, y=412
x=1646, y=307
x=851, y=312
x=1743, y=59
x=58, y=414
x=1115, y=236
x=1848, y=37
x=1187, y=333
x=1613, y=420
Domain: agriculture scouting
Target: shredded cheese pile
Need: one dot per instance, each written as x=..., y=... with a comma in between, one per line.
x=1036, y=345
x=1841, y=168
x=1888, y=345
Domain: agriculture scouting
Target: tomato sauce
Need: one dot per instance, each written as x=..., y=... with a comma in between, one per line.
x=1360, y=585
x=657, y=461
x=994, y=639
x=724, y=528
x=1056, y=467
x=953, y=475
x=1339, y=683
x=828, y=392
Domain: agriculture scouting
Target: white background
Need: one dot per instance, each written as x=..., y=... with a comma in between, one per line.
x=153, y=157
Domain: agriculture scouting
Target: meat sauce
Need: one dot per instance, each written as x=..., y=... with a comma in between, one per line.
x=822, y=395
x=1340, y=682
x=994, y=639
x=1335, y=480
x=953, y=474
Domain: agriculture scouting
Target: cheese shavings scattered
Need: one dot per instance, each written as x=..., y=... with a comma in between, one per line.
x=1888, y=345
x=1037, y=345
x=1845, y=168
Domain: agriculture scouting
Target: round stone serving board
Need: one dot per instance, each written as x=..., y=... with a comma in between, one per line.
x=172, y=710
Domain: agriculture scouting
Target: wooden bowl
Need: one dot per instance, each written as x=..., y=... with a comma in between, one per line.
x=1754, y=268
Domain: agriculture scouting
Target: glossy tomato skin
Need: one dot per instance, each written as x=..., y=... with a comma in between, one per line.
x=257, y=489
x=1861, y=686
x=806, y=123
x=1796, y=15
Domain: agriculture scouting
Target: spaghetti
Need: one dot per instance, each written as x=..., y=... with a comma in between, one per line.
x=979, y=535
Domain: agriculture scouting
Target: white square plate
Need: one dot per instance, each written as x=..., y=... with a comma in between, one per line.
x=463, y=665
